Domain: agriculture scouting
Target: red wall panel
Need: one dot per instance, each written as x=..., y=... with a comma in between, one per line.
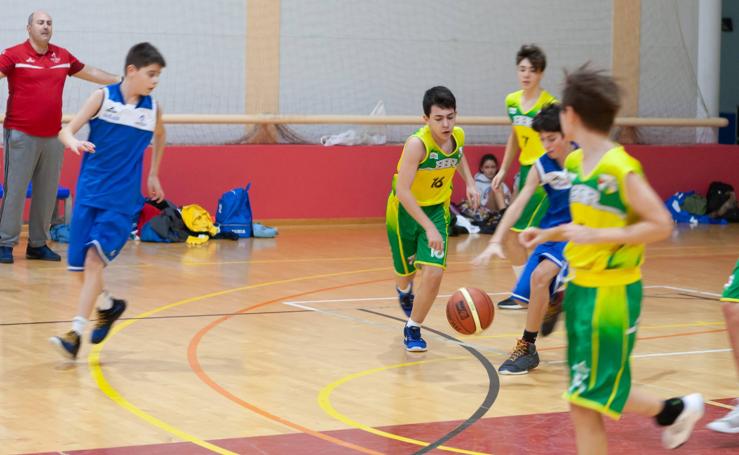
x=312, y=181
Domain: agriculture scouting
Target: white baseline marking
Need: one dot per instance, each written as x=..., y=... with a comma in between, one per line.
x=661, y=354
x=694, y=291
x=441, y=296
x=368, y=299
x=390, y=326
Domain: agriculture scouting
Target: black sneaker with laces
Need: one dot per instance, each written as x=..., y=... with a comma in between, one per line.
x=523, y=358
x=105, y=321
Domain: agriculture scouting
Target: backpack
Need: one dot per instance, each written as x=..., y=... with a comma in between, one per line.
x=234, y=212
x=168, y=226
x=718, y=194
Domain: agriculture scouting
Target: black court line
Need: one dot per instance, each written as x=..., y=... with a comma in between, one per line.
x=487, y=403
x=166, y=317
x=681, y=296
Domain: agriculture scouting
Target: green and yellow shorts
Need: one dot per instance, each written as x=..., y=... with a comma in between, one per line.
x=731, y=288
x=408, y=241
x=601, y=332
x=536, y=207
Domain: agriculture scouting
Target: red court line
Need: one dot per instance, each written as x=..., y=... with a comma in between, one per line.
x=197, y=368
x=195, y=365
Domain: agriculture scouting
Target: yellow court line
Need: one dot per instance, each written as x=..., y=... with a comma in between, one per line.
x=96, y=370
x=324, y=401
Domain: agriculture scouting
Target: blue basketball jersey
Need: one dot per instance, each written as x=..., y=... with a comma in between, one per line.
x=110, y=178
x=557, y=184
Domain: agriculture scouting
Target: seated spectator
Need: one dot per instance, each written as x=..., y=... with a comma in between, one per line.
x=495, y=200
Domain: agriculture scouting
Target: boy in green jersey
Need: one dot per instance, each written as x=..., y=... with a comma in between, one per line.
x=615, y=212
x=730, y=305
x=522, y=106
x=418, y=208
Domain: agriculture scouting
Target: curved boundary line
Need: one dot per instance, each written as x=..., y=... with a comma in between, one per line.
x=324, y=401
x=200, y=372
x=197, y=368
x=99, y=377
x=487, y=403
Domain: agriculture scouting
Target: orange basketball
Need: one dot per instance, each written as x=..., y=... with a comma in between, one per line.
x=469, y=311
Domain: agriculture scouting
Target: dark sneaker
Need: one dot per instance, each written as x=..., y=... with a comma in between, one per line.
x=412, y=339
x=678, y=433
x=67, y=344
x=406, y=301
x=510, y=304
x=42, y=253
x=552, y=315
x=523, y=358
x=6, y=255
x=106, y=318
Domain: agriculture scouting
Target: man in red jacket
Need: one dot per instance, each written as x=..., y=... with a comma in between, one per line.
x=36, y=72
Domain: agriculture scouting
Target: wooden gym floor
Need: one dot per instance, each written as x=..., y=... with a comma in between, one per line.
x=293, y=345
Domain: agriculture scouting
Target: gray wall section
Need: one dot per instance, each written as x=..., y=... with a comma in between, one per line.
x=730, y=59
x=203, y=43
x=668, y=82
x=342, y=56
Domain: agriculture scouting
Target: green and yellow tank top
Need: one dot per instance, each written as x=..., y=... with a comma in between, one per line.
x=528, y=139
x=433, y=182
x=598, y=200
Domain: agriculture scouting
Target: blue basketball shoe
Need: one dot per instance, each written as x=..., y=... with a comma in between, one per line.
x=412, y=339
x=106, y=318
x=67, y=344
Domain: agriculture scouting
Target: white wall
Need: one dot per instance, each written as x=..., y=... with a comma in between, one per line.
x=730, y=60
x=342, y=56
x=203, y=43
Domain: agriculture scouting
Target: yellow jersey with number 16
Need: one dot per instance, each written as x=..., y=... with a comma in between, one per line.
x=528, y=139
x=433, y=181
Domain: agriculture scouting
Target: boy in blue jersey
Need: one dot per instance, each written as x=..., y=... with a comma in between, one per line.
x=123, y=119
x=546, y=266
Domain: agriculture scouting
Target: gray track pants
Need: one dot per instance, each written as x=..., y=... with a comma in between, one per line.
x=29, y=159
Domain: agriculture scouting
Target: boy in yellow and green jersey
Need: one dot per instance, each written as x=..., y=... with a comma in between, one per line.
x=522, y=106
x=418, y=208
x=615, y=212
x=730, y=306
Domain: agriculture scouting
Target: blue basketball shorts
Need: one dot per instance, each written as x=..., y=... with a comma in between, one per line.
x=551, y=251
x=105, y=230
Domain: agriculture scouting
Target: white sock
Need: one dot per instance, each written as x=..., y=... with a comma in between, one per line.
x=406, y=290
x=78, y=324
x=412, y=323
x=105, y=302
x=517, y=270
